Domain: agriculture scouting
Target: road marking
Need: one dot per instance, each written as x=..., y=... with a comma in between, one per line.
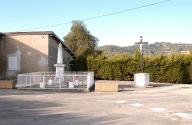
x=39, y=96
x=183, y=115
x=120, y=101
x=158, y=109
x=136, y=104
x=102, y=100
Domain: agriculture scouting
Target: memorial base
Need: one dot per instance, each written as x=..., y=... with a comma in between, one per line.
x=141, y=79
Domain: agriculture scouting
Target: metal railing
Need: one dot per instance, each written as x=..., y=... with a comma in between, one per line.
x=47, y=80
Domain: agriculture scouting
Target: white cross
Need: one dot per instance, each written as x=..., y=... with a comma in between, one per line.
x=141, y=43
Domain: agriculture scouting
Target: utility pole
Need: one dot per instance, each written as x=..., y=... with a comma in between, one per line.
x=141, y=43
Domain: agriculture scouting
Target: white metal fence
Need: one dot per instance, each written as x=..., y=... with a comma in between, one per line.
x=47, y=80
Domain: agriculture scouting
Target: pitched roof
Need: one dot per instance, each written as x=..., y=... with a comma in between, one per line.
x=51, y=33
x=31, y=33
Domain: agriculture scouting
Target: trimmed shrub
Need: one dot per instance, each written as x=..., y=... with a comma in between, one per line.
x=174, y=69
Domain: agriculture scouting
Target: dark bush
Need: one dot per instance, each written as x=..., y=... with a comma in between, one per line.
x=78, y=64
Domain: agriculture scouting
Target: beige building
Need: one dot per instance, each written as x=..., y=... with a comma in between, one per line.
x=185, y=52
x=24, y=52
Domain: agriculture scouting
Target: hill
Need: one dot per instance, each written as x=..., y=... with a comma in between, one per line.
x=158, y=48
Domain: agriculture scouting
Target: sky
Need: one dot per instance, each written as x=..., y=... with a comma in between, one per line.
x=167, y=22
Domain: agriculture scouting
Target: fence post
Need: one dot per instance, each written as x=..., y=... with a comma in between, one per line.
x=30, y=81
x=44, y=81
x=26, y=80
x=88, y=81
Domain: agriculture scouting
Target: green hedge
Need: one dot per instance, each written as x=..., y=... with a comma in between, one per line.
x=174, y=69
x=79, y=64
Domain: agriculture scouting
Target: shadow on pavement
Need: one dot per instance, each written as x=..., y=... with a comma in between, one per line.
x=25, y=112
x=7, y=92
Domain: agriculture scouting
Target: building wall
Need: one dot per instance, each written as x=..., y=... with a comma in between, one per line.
x=2, y=57
x=31, y=52
x=185, y=52
x=53, y=48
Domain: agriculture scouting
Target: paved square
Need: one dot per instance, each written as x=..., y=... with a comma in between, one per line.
x=149, y=106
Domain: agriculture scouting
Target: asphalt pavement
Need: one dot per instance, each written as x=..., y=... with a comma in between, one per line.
x=171, y=105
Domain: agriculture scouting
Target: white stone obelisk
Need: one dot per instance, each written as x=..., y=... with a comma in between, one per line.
x=59, y=66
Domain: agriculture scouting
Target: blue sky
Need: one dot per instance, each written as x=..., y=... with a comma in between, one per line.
x=166, y=22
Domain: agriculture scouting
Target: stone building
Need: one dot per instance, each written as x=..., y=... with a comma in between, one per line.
x=25, y=52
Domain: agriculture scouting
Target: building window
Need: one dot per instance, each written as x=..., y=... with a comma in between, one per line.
x=13, y=63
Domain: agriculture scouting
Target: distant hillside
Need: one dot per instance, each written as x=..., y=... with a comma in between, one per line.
x=152, y=49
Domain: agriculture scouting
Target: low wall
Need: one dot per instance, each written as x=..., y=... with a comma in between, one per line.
x=106, y=86
x=7, y=84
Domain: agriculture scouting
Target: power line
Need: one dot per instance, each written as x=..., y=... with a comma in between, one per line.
x=103, y=15
x=123, y=11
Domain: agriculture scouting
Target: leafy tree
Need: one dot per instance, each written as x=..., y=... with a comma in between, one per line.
x=79, y=40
